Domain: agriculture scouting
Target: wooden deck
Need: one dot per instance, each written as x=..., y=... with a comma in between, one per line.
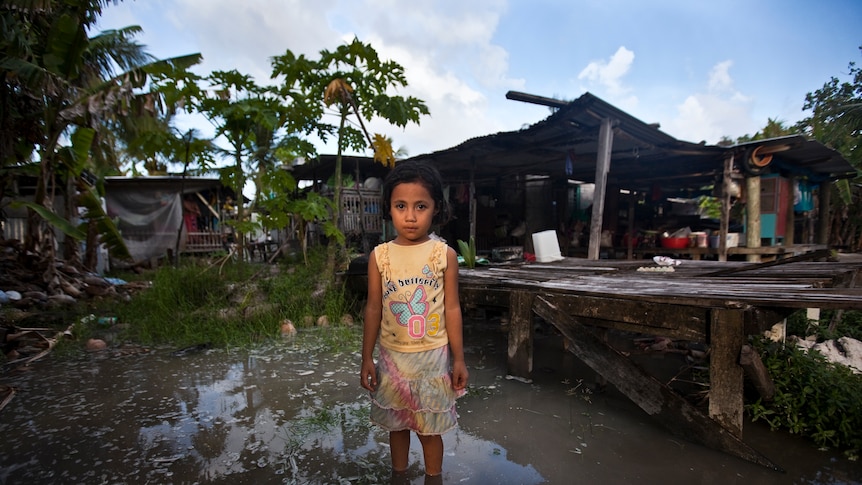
x=717, y=303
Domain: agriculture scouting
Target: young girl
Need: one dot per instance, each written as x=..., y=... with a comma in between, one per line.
x=414, y=312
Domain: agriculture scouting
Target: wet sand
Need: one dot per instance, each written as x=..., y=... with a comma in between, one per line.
x=294, y=413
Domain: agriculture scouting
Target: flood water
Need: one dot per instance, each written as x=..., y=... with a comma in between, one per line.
x=293, y=412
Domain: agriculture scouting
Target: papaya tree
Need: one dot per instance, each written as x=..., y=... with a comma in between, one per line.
x=351, y=82
x=250, y=118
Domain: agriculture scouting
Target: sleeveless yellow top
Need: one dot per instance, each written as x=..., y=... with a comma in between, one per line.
x=413, y=309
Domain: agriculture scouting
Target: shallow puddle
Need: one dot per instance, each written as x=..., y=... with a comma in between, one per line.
x=294, y=413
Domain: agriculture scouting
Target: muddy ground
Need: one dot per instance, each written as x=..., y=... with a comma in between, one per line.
x=293, y=412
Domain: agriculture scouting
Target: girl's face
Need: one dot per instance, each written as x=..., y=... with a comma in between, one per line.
x=412, y=210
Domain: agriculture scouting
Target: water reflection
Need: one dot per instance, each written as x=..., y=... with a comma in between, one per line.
x=277, y=414
x=290, y=413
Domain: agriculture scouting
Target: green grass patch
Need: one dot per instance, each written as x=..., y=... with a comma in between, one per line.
x=236, y=304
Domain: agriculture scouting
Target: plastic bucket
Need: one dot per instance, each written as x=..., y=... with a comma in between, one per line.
x=546, y=246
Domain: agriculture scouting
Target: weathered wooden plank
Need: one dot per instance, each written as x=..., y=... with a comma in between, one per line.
x=693, y=293
x=819, y=254
x=656, y=399
x=726, y=338
x=483, y=296
x=520, y=358
x=676, y=321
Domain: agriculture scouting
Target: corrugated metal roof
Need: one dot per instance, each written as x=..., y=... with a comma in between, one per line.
x=565, y=145
x=166, y=182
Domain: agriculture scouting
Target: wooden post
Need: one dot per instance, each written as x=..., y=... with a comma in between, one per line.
x=724, y=223
x=521, y=334
x=790, y=219
x=472, y=198
x=752, y=211
x=631, y=228
x=603, y=165
x=824, y=200
x=727, y=336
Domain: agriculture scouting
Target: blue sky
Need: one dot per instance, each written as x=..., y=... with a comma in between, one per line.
x=702, y=69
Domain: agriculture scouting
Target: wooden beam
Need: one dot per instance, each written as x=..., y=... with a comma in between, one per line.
x=485, y=296
x=603, y=165
x=214, y=212
x=534, y=99
x=681, y=322
x=656, y=399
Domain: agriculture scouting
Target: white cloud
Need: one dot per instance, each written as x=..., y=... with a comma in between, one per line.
x=446, y=47
x=608, y=75
x=245, y=35
x=720, y=111
x=719, y=77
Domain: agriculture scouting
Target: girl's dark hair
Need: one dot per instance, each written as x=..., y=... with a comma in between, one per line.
x=419, y=172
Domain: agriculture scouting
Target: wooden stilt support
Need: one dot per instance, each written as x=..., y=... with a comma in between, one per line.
x=726, y=338
x=521, y=334
x=659, y=401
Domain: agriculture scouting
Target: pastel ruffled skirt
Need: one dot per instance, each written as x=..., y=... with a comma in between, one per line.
x=414, y=392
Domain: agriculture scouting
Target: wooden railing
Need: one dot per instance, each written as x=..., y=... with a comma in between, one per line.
x=203, y=242
x=360, y=211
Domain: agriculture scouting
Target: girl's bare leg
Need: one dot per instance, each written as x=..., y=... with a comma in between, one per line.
x=432, y=449
x=399, y=447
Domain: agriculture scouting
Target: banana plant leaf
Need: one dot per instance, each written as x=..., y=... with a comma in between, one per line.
x=108, y=232
x=53, y=219
x=844, y=192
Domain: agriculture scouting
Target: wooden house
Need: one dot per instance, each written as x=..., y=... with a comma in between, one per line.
x=591, y=167
x=361, y=220
x=162, y=214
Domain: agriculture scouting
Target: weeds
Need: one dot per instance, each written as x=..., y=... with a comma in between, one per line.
x=813, y=397
x=234, y=306
x=848, y=324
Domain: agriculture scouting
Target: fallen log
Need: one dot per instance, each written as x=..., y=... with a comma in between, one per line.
x=658, y=400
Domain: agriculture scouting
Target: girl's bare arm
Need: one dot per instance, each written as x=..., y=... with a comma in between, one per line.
x=371, y=325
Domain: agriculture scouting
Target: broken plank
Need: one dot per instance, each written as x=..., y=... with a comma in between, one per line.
x=757, y=373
